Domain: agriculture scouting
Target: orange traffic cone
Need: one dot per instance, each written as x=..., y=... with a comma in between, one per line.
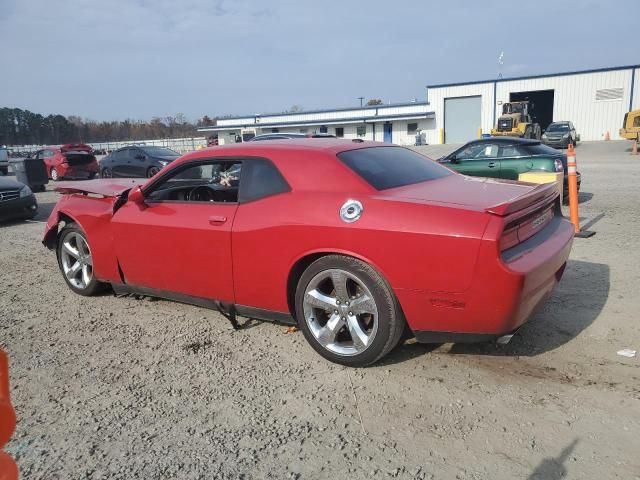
x=607, y=137
x=572, y=174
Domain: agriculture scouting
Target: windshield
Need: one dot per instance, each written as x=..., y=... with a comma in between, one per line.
x=539, y=149
x=390, y=167
x=159, y=152
x=558, y=127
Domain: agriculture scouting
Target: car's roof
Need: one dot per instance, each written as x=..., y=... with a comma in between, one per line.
x=561, y=122
x=505, y=140
x=328, y=145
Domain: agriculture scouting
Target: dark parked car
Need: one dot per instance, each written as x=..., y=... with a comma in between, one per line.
x=560, y=134
x=136, y=161
x=16, y=200
x=506, y=157
x=284, y=136
x=4, y=161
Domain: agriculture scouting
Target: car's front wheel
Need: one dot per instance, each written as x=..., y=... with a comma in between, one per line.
x=106, y=173
x=347, y=311
x=76, y=261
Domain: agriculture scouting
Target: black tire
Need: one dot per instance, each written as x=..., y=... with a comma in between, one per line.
x=106, y=173
x=390, y=320
x=152, y=171
x=94, y=286
x=92, y=175
x=527, y=133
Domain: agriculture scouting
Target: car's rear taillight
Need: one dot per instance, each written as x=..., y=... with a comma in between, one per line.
x=526, y=228
x=558, y=165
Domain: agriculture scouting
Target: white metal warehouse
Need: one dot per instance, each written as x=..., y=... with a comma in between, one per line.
x=398, y=123
x=594, y=100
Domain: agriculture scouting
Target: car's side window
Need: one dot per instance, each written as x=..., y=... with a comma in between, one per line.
x=509, y=151
x=488, y=151
x=472, y=151
x=212, y=181
x=260, y=179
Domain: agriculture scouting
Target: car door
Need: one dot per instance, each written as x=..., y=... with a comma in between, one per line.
x=182, y=244
x=118, y=162
x=513, y=161
x=478, y=160
x=138, y=163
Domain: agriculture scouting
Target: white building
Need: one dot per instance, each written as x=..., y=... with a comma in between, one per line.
x=594, y=100
x=394, y=123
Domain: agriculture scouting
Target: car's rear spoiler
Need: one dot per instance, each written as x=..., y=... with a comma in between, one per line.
x=541, y=194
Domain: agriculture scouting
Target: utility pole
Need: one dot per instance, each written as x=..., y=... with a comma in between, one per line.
x=361, y=99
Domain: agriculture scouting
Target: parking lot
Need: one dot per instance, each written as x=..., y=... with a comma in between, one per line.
x=110, y=387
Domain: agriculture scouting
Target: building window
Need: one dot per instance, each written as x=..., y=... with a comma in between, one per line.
x=323, y=129
x=412, y=128
x=339, y=132
x=361, y=130
x=636, y=122
x=275, y=130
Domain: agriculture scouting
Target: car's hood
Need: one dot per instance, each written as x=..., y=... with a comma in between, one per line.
x=109, y=187
x=474, y=193
x=556, y=134
x=10, y=184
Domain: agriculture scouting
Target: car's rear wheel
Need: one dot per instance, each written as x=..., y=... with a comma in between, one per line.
x=152, y=171
x=347, y=311
x=55, y=176
x=76, y=262
x=106, y=173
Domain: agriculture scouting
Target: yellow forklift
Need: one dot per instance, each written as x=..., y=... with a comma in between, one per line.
x=631, y=126
x=516, y=121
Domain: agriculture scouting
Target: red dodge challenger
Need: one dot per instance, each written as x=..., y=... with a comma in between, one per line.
x=355, y=242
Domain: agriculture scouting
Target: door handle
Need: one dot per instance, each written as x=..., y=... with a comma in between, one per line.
x=217, y=219
x=492, y=164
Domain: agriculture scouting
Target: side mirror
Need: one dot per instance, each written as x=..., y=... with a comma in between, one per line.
x=136, y=196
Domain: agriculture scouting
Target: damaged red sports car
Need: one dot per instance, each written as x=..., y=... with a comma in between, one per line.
x=70, y=161
x=356, y=242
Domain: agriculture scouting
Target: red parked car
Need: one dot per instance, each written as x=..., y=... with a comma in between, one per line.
x=353, y=241
x=70, y=161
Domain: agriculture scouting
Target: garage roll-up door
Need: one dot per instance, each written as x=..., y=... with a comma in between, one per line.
x=461, y=119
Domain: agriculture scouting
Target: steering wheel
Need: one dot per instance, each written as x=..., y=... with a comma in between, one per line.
x=200, y=193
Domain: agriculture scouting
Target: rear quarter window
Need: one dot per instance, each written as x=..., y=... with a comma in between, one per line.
x=538, y=149
x=390, y=167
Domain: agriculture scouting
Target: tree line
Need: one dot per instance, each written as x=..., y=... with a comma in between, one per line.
x=22, y=127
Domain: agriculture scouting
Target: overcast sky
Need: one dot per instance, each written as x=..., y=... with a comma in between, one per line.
x=116, y=59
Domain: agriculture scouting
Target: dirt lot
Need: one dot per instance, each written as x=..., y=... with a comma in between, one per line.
x=124, y=388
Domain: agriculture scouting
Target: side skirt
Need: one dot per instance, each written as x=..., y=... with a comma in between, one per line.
x=424, y=336
x=223, y=307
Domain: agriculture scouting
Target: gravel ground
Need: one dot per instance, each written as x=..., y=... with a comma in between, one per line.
x=115, y=388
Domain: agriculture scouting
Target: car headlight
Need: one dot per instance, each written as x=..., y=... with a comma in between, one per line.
x=164, y=164
x=566, y=135
x=544, y=135
x=25, y=191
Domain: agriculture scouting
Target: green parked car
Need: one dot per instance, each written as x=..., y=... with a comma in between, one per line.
x=506, y=157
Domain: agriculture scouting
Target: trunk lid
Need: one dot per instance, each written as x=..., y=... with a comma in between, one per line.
x=472, y=193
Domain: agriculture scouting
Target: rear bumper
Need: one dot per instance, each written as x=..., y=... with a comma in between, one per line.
x=505, y=292
x=25, y=207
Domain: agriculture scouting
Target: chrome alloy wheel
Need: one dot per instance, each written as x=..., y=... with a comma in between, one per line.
x=76, y=260
x=341, y=312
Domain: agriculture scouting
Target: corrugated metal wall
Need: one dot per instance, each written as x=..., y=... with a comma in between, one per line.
x=574, y=99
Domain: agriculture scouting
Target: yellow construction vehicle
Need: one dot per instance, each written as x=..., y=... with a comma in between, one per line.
x=516, y=121
x=631, y=126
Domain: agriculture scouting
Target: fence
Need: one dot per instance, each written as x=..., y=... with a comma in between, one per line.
x=180, y=145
